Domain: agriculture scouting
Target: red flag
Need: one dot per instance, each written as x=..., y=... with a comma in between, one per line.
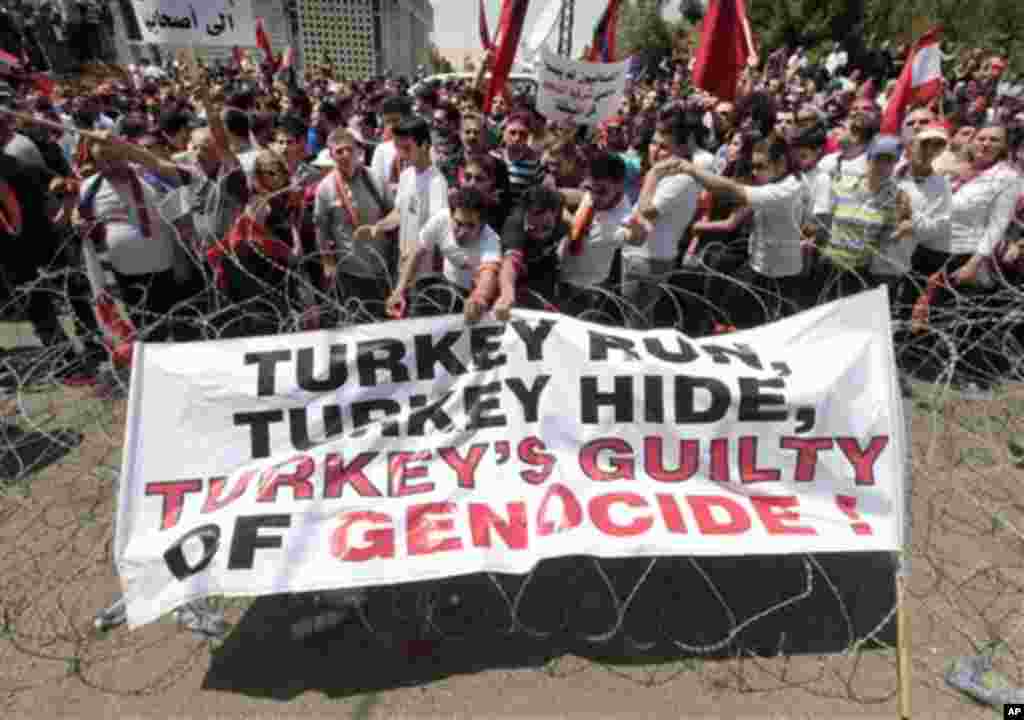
x=263, y=42
x=236, y=53
x=485, y=31
x=725, y=45
x=602, y=47
x=43, y=84
x=919, y=83
x=510, y=28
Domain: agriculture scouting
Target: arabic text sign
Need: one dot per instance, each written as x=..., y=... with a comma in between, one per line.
x=196, y=22
x=424, y=448
x=579, y=92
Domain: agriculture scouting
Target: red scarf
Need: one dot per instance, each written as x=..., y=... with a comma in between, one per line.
x=582, y=221
x=245, y=235
x=344, y=193
x=11, y=220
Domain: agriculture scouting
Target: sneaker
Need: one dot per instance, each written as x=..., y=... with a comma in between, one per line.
x=202, y=620
x=112, y=617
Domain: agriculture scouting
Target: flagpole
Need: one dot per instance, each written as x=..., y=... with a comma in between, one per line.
x=902, y=650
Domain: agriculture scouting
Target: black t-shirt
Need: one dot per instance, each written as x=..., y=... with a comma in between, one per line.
x=539, y=273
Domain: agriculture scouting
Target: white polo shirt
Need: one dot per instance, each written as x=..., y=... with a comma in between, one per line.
x=780, y=210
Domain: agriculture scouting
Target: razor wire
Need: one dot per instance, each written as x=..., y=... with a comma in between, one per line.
x=61, y=451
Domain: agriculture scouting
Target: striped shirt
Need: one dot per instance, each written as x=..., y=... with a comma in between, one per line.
x=862, y=221
x=523, y=174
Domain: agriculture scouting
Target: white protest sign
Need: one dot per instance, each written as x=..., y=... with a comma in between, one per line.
x=199, y=22
x=424, y=449
x=582, y=93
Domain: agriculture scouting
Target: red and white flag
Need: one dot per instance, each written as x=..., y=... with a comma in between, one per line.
x=919, y=83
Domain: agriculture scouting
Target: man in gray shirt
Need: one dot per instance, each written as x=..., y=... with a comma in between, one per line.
x=349, y=197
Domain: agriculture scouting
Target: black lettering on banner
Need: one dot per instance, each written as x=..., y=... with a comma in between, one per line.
x=425, y=412
x=686, y=399
x=477, y=407
x=601, y=343
x=685, y=354
x=298, y=422
x=533, y=338
x=485, y=346
x=175, y=558
x=266, y=363
x=529, y=398
x=757, y=406
x=430, y=353
x=337, y=369
x=247, y=539
x=742, y=352
x=363, y=414
x=591, y=400
x=654, y=399
x=384, y=354
x=259, y=429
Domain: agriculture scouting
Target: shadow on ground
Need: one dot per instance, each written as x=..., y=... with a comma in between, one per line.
x=568, y=606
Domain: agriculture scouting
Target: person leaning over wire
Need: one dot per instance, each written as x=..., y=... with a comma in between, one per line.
x=781, y=202
x=471, y=252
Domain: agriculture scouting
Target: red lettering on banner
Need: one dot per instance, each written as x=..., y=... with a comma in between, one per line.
x=213, y=501
x=671, y=514
x=464, y=467
x=622, y=467
x=863, y=461
x=848, y=504
x=337, y=475
x=749, y=471
x=807, y=455
x=572, y=513
x=514, y=530
x=775, y=513
x=720, y=460
x=173, y=494
x=298, y=480
x=400, y=471
x=654, y=460
x=601, y=517
x=424, y=529
x=530, y=453
x=703, y=506
x=378, y=542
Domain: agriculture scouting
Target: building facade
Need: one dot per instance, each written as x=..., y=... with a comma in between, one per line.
x=361, y=38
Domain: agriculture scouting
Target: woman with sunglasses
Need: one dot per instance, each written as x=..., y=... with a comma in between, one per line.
x=255, y=266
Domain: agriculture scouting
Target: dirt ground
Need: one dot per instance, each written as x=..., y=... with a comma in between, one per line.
x=826, y=649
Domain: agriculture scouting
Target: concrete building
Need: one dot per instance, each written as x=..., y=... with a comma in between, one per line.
x=365, y=37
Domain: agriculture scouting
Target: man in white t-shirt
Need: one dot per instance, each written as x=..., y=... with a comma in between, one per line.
x=770, y=285
x=471, y=253
x=603, y=224
x=386, y=165
x=422, y=193
x=667, y=205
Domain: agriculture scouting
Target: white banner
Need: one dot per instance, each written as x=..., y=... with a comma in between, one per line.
x=579, y=92
x=199, y=22
x=424, y=449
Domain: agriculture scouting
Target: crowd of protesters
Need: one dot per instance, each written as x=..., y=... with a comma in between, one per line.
x=226, y=202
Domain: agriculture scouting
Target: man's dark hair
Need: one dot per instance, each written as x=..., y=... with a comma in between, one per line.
x=301, y=104
x=814, y=136
x=467, y=198
x=415, y=128
x=681, y=125
x=541, y=198
x=174, y=120
x=607, y=166
x=395, y=104
x=237, y=122
x=293, y=125
x=330, y=111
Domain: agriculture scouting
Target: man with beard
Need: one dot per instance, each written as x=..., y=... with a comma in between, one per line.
x=531, y=239
x=471, y=252
x=852, y=159
x=602, y=225
x=524, y=167
x=448, y=150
